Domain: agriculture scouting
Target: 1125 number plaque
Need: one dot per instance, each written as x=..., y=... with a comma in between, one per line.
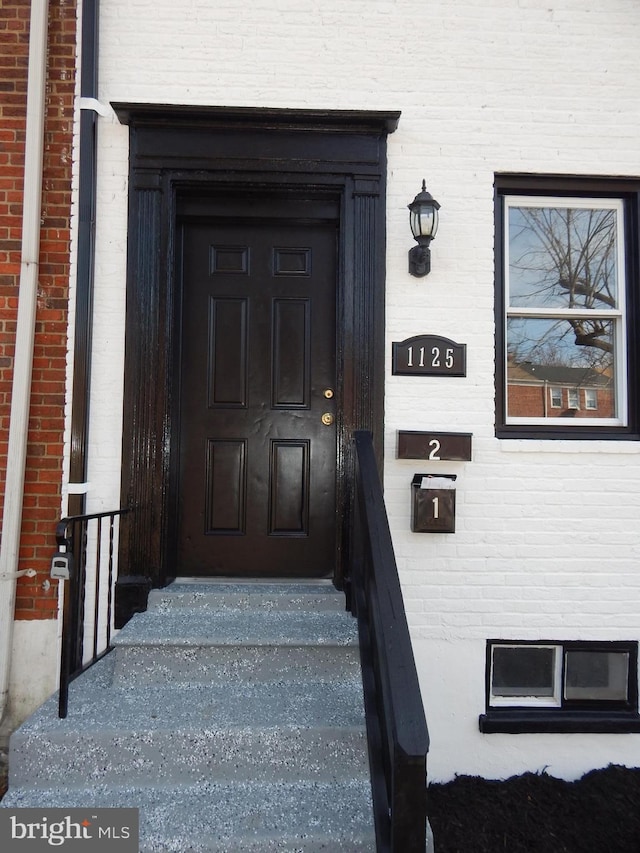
x=429, y=355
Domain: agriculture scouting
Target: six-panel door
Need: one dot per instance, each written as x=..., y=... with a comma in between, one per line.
x=257, y=400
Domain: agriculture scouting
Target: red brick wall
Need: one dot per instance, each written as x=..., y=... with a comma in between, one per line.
x=46, y=424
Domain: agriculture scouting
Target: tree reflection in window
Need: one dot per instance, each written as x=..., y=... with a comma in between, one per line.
x=564, y=316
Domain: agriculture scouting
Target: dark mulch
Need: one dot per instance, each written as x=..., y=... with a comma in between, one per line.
x=537, y=813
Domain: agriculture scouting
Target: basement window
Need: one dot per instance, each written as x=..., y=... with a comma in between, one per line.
x=527, y=675
x=549, y=686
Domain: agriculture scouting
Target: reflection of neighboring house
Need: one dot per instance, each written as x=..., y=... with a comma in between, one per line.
x=541, y=391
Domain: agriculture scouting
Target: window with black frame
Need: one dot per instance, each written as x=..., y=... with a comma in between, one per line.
x=561, y=686
x=565, y=302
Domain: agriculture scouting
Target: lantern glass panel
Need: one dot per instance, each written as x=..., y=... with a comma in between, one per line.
x=424, y=221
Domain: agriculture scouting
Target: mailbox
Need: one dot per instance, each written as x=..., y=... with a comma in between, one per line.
x=434, y=503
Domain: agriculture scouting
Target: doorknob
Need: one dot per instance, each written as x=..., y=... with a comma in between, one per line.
x=328, y=393
x=327, y=419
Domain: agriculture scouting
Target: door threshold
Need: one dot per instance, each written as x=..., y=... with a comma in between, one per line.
x=256, y=581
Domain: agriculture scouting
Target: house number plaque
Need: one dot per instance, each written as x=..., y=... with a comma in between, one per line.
x=434, y=446
x=429, y=355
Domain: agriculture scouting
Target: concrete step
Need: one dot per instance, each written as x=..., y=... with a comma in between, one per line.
x=186, y=626
x=271, y=595
x=170, y=664
x=272, y=730
x=250, y=817
x=196, y=637
x=233, y=754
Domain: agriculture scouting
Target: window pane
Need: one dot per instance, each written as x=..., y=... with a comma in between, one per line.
x=575, y=353
x=590, y=398
x=522, y=671
x=563, y=257
x=596, y=675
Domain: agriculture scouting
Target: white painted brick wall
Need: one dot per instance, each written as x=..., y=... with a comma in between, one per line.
x=547, y=542
x=109, y=312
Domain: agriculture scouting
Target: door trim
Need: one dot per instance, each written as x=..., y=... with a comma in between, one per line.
x=180, y=152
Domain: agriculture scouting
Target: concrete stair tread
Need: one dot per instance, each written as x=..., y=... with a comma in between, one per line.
x=190, y=757
x=221, y=595
x=261, y=816
x=251, y=586
x=239, y=627
x=140, y=665
x=295, y=704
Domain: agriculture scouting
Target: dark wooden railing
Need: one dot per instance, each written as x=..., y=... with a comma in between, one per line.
x=87, y=615
x=396, y=725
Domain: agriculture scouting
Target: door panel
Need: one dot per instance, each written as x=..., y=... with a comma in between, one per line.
x=289, y=476
x=225, y=486
x=228, y=342
x=257, y=464
x=291, y=350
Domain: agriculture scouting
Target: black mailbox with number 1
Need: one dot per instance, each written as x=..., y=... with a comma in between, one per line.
x=434, y=503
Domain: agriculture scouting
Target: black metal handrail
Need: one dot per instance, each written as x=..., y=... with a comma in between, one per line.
x=396, y=724
x=85, y=539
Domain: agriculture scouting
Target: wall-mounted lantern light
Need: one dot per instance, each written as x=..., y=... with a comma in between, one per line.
x=423, y=217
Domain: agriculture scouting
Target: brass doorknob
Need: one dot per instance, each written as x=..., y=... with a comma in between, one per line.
x=328, y=393
x=327, y=419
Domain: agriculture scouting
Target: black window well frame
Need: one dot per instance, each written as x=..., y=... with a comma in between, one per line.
x=566, y=186
x=571, y=715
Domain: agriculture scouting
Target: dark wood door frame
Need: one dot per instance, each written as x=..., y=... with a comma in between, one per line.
x=178, y=152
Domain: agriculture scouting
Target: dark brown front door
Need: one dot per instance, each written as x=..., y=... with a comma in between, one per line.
x=257, y=474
